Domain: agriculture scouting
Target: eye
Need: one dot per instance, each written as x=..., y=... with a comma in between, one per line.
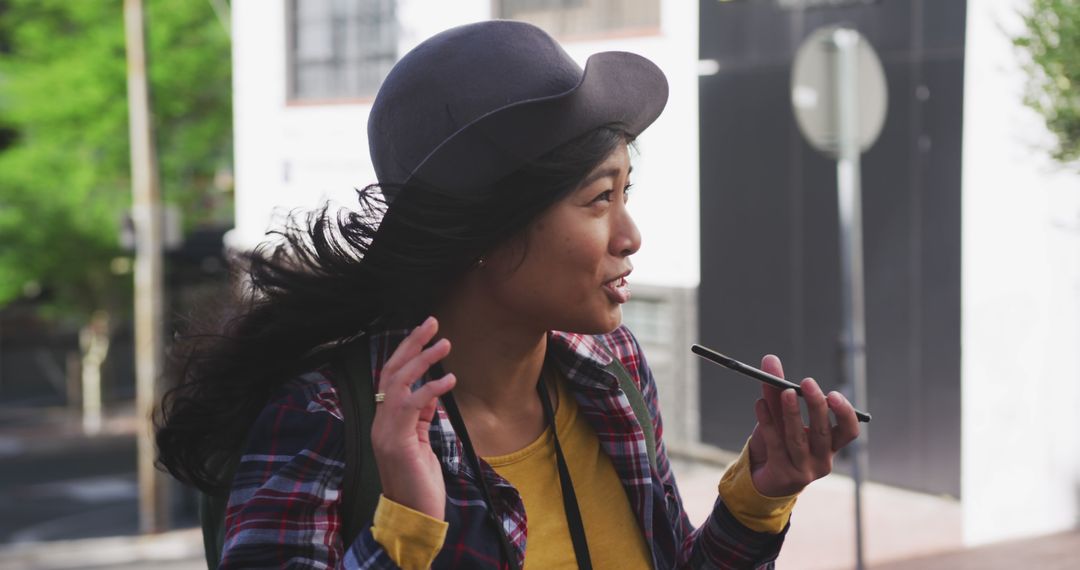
x=604, y=196
x=608, y=195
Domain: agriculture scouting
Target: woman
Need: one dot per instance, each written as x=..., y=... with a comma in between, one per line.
x=495, y=247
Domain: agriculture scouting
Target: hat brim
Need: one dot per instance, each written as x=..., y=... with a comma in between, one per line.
x=616, y=88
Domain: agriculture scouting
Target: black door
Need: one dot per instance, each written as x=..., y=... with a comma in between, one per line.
x=770, y=256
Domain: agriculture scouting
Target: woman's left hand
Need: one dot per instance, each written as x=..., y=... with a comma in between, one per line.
x=785, y=454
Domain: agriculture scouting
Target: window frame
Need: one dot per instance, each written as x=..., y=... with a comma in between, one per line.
x=600, y=35
x=292, y=99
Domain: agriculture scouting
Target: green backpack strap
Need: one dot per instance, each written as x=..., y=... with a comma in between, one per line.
x=637, y=403
x=360, y=487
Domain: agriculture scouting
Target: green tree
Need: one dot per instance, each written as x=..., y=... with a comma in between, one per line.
x=1051, y=41
x=65, y=176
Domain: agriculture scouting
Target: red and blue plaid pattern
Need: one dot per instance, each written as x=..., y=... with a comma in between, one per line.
x=283, y=509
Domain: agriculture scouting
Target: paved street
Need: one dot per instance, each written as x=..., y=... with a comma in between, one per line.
x=81, y=491
x=58, y=484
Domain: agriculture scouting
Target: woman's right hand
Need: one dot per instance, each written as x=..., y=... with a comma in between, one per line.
x=410, y=472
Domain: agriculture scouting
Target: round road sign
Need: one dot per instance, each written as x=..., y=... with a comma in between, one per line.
x=815, y=86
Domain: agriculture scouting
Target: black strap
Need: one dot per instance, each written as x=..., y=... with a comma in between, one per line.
x=570, y=504
x=454, y=415
x=212, y=512
x=360, y=487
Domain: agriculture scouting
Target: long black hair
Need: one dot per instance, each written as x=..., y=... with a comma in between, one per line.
x=329, y=276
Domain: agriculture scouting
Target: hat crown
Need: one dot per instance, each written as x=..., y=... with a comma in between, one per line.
x=456, y=77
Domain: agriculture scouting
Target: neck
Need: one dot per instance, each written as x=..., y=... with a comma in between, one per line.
x=497, y=361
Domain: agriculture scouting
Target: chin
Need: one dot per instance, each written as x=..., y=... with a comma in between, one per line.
x=614, y=321
x=599, y=323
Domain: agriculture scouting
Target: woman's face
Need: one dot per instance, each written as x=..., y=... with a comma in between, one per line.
x=572, y=274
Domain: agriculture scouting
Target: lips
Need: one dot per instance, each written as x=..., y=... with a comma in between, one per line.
x=618, y=290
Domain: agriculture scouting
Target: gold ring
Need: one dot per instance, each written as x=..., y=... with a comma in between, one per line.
x=380, y=397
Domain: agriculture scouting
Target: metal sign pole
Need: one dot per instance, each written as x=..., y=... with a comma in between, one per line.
x=840, y=99
x=146, y=209
x=849, y=187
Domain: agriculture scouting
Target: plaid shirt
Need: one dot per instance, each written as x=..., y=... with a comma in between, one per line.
x=283, y=508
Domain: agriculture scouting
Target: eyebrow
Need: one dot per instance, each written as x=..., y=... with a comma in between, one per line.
x=605, y=173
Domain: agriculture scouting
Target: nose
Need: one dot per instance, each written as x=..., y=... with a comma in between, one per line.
x=625, y=238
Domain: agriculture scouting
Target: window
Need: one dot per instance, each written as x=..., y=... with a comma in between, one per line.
x=339, y=49
x=651, y=319
x=584, y=17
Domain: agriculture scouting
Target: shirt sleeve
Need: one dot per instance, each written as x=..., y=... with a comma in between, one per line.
x=283, y=505
x=411, y=538
x=751, y=508
x=722, y=541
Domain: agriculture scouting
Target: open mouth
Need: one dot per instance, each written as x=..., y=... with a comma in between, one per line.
x=618, y=290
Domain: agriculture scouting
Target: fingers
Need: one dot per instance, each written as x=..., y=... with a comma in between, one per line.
x=847, y=425
x=795, y=439
x=425, y=395
x=410, y=472
x=771, y=364
x=411, y=346
x=412, y=370
x=783, y=407
x=769, y=431
x=786, y=454
x=820, y=433
x=402, y=407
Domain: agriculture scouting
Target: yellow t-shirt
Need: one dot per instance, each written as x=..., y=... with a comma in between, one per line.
x=611, y=530
x=413, y=539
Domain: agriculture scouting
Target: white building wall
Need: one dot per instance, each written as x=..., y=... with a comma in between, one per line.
x=1021, y=301
x=300, y=155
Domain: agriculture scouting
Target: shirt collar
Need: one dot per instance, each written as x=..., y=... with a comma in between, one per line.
x=583, y=359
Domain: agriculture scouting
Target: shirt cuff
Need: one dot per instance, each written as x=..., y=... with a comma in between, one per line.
x=751, y=508
x=412, y=539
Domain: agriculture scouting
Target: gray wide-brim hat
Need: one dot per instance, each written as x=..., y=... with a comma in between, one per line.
x=474, y=103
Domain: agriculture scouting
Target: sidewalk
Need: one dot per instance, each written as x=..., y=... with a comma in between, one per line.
x=1054, y=552
x=176, y=550
x=903, y=530
x=182, y=550
x=897, y=524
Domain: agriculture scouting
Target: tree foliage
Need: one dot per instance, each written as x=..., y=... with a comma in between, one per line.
x=65, y=176
x=1051, y=39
